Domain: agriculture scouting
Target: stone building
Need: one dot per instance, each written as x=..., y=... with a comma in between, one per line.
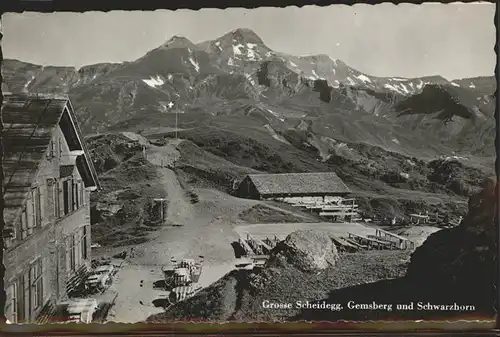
x=48, y=179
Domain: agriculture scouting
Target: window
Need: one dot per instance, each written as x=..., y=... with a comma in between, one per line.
x=74, y=202
x=77, y=195
x=36, y=204
x=24, y=224
x=16, y=307
x=66, y=196
x=83, y=243
x=82, y=195
x=36, y=282
x=12, y=306
x=52, y=195
x=72, y=252
x=12, y=232
x=51, y=150
x=56, y=199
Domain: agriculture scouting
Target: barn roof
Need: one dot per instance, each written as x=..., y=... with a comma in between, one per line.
x=298, y=183
x=28, y=124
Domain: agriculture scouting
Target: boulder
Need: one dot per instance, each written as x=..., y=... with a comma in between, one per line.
x=306, y=250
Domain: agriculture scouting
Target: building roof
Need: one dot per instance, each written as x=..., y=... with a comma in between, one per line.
x=298, y=183
x=28, y=125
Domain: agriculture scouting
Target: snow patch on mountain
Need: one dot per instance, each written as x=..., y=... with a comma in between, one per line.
x=472, y=85
x=351, y=82
x=251, y=55
x=364, y=78
x=454, y=84
x=391, y=87
x=273, y=113
x=230, y=61
x=31, y=80
x=250, y=79
x=236, y=49
x=275, y=135
x=399, y=79
x=405, y=89
x=195, y=64
x=453, y=158
x=154, y=82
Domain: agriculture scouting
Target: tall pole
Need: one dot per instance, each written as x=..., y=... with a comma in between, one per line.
x=176, y=119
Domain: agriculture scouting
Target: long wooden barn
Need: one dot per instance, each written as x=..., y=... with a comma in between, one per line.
x=292, y=186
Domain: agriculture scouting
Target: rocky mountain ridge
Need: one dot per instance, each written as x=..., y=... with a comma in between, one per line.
x=237, y=75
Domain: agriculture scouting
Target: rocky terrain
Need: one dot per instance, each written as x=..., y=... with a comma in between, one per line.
x=453, y=266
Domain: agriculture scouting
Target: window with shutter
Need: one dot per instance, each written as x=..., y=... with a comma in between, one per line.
x=84, y=243
x=68, y=255
x=37, y=207
x=73, y=195
x=16, y=230
x=72, y=252
x=30, y=213
x=61, y=198
x=49, y=198
x=19, y=307
x=36, y=281
x=41, y=198
x=66, y=196
x=55, y=196
x=24, y=224
x=78, y=251
x=14, y=306
x=48, y=152
x=82, y=200
x=52, y=149
x=26, y=296
x=77, y=201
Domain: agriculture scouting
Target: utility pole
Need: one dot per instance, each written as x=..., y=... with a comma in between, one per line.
x=176, y=123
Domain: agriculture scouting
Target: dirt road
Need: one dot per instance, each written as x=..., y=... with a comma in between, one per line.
x=205, y=228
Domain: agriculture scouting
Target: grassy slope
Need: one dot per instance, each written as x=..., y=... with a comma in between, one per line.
x=372, y=173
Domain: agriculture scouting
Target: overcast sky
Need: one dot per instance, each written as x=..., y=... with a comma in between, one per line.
x=452, y=40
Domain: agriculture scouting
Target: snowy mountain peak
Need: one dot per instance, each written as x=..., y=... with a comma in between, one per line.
x=178, y=41
x=244, y=35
